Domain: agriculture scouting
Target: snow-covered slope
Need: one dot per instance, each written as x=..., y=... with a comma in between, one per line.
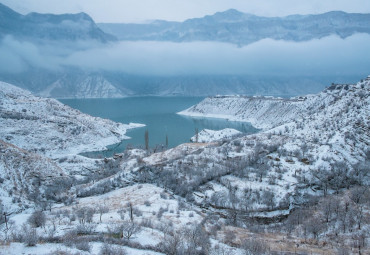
x=319, y=143
x=51, y=128
x=315, y=157
x=25, y=175
x=208, y=135
x=262, y=112
x=269, y=112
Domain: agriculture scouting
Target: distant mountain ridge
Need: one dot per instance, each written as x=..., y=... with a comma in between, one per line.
x=61, y=32
x=80, y=84
x=38, y=26
x=232, y=26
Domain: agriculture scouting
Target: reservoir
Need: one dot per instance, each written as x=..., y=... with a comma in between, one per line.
x=159, y=116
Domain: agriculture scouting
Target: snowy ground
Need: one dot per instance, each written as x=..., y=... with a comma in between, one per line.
x=207, y=135
x=224, y=177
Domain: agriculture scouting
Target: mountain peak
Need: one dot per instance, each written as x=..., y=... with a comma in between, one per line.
x=36, y=26
x=5, y=12
x=231, y=14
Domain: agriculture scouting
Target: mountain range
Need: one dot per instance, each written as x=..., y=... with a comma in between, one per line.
x=235, y=27
x=83, y=84
x=45, y=38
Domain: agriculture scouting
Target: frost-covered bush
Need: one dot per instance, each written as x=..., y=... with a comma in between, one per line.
x=137, y=212
x=254, y=247
x=108, y=249
x=37, y=219
x=29, y=235
x=163, y=195
x=146, y=223
x=69, y=238
x=83, y=246
x=85, y=229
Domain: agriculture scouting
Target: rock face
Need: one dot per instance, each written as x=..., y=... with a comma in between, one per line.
x=90, y=86
x=51, y=128
x=240, y=28
x=36, y=26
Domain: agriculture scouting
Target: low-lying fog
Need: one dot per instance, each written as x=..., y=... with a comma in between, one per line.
x=327, y=56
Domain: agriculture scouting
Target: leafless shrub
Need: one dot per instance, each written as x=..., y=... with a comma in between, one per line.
x=30, y=237
x=254, y=247
x=83, y=246
x=108, y=249
x=37, y=219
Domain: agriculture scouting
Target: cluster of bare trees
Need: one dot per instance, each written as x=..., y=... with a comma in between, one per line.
x=333, y=217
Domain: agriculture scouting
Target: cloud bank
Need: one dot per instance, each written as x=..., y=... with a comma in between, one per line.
x=328, y=56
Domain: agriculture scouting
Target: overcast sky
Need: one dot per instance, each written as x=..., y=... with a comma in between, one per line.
x=178, y=10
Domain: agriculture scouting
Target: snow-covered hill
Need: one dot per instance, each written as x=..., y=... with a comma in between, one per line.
x=307, y=173
x=316, y=141
x=269, y=112
x=48, y=127
x=262, y=112
x=25, y=176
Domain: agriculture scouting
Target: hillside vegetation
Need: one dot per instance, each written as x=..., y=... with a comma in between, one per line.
x=301, y=185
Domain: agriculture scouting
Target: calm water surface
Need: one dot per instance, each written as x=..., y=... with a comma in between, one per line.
x=159, y=116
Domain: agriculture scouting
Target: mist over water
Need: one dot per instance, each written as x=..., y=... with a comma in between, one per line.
x=330, y=55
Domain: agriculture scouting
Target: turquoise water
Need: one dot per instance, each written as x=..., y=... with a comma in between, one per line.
x=158, y=113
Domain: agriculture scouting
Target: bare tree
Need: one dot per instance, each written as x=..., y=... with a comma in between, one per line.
x=37, y=219
x=102, y=209
x=172, y=244
x=314, y=226
x=146, y=136
x=254, y=247
x=128, y=229
x=197, y=239
x=29, y=235
x=131, y=211
x=85, y=214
